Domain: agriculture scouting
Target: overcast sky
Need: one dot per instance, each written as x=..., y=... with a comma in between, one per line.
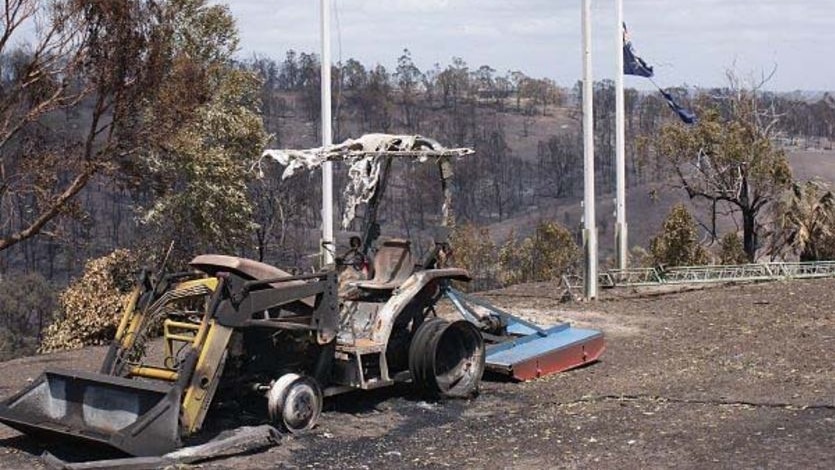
x=689, y=42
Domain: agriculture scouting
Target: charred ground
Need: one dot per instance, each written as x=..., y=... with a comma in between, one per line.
x=723, y=377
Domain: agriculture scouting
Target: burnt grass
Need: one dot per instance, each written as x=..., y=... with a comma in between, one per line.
x=737, y=376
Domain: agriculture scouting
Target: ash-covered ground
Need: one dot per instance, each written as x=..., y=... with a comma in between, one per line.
x=721, y=377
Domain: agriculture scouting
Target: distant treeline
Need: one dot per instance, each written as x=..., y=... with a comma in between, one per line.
x=526, y=132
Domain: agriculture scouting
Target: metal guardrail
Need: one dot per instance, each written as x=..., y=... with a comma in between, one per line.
x=575, y=281
x=639, y=277
x=635, y=277
x=808, y=270
x=707, y=274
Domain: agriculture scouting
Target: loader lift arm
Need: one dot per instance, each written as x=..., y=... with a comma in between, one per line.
x=145, y=410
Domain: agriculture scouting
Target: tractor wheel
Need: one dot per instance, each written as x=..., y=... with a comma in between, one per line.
x=447, y=359
x=295, y=402
x=417, y=354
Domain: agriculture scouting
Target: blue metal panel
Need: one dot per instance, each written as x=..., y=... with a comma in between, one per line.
x=523, y=329
x=525, y=348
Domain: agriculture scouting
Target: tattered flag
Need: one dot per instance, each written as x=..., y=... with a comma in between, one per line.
x=687, y=116
x=632, y=64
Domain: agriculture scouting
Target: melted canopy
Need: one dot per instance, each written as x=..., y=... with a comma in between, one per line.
x=364, y=157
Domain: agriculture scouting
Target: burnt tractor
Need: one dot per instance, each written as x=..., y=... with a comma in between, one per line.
x=235, y=330
x=245, y=330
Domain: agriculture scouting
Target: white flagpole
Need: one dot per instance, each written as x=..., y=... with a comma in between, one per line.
x=590, y=230
x=328, y=245
x=621, y=246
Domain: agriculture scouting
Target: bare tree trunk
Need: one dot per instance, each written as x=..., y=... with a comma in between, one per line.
x=749, y=234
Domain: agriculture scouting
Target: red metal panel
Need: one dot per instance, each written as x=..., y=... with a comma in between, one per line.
x=561, y=360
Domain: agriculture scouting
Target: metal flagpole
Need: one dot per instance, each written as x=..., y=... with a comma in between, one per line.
x=621, y=246
x=589, y=228
x=328, y=245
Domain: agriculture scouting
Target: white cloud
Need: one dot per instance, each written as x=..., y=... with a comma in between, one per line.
x=405, y=6
x=478, y=29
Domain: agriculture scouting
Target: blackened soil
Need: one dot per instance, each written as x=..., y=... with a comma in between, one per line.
x=723, y=377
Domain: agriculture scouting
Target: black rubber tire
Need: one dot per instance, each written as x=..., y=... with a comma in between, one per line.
x=417, y=354
x=447, y=359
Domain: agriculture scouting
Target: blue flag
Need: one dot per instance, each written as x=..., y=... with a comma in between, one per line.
x=686, y=116
x=632, y=64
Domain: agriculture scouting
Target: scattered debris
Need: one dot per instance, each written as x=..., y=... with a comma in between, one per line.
x=237, y=441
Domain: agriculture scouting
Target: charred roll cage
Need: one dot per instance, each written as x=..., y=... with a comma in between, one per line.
x=237, y=331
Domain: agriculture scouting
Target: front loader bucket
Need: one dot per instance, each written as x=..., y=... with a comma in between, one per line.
x=522, y=349
x=134, y=417
x=538, y=352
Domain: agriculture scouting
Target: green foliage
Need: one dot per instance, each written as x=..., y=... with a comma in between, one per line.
x=205, y=33
x=677, y=243
x=91, y=306
x=727, y=149
x=731, y=250
x=97, y=88
x=804, y=222
x=27, y=303
x=201, y=202
x=544, y=256
x=728, y=159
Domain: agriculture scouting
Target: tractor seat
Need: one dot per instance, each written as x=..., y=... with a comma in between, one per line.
x=393, y=264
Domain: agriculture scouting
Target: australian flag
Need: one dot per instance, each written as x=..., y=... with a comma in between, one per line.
x=686, y=116
x=632, y=64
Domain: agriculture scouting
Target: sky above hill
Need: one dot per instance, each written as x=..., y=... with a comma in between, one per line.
x=692, y=42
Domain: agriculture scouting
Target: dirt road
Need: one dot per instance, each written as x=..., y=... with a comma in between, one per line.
x=725, y=377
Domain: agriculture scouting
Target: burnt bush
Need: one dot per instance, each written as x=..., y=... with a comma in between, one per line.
x=90, y=307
